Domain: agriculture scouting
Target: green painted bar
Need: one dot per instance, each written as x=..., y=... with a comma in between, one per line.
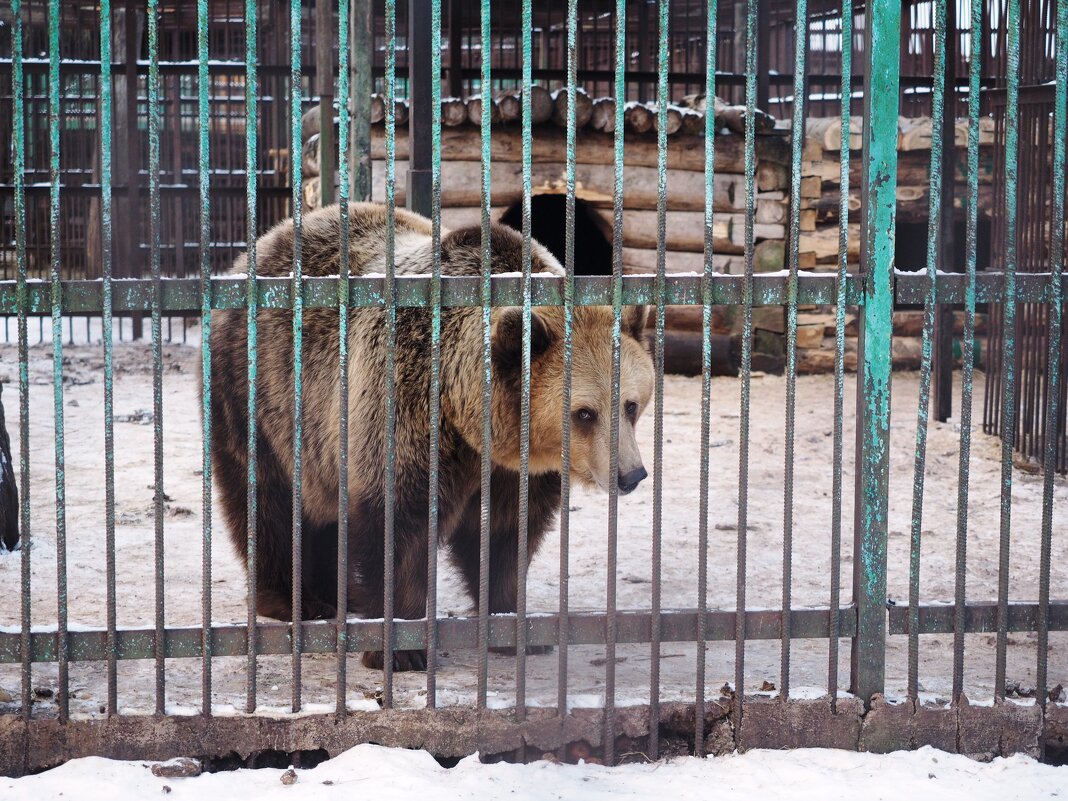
x=21, y=298
x=486, y=299
x=55, y=295
x=389, y=285
x=611, y=619
x=881, y=78
x=797, y=136
x=361, y=43
x=203, y=169
x=927, y=347
x=295, y=95
x=155, y=113
x=840, y=302
x=433, y=484
x=109, y=373
x=1008, y=380
x=706, y=378
x=1053, y=357
x=656, y=546
x=967, y=368
x=252, y=304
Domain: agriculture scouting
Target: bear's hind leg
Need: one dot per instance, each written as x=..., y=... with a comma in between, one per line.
x=366, y=585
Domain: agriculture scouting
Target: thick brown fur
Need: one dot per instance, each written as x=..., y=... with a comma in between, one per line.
x=459, y=503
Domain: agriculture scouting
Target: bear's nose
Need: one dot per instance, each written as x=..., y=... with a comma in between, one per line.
x=629, y=481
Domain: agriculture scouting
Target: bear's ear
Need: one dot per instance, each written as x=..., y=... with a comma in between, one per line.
x=508, y=339
x=634, y=320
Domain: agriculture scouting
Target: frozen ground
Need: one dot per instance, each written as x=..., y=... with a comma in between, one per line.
x=83, y=409
x=923, y=775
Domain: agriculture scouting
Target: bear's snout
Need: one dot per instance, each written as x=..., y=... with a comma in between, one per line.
x=628, y=481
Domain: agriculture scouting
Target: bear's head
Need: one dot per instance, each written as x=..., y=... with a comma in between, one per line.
x=590, y=409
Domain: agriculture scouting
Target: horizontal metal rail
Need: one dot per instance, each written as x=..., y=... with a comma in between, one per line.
x=183, y=295
x=366, y=635
x=319, y=637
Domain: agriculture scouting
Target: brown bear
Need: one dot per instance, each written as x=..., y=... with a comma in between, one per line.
x=459, y=504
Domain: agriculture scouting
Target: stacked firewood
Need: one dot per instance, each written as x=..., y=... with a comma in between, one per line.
x=821, y=181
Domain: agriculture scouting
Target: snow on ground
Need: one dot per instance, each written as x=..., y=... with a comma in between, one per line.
x=83, y=410
x=826, y=775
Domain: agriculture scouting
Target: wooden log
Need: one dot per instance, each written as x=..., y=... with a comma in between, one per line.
x=733, y=118
x=510, y=105
x=691, y=318
x=378, y=108
x=638, y=118
x=808, y=219
x=828, y=132
x=453, y=111
x=642, y=261
x=474, y=110
x=693, y=122
x=772, y=211
x=400, y=112
x=9, y=494
x=311, y=193
x=583, y=108
x=771, y=176
x=462, y=185
x=914, y=133
x=541, y=104
x=684, y=152
x=603, y=115
x=684, y=353
x=309, y=159
x=674, y=119
x=824, y=243
x=811, y=187
x=769, y=256
x=309, y=122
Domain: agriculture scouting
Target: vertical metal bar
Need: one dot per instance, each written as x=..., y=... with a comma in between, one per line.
x=658, y=412
x=839, y=352
x=486, y=38
x=1053, y=359
x=1008, y=383
x=106, y=322
x=797, y=140
x=252, y=304
x=967, y=367
x=609, y=736
x=881, y=81
x=154, y=113
x=706, y=380
x=18, y=87
x=344, y=89
x=752, y=11
x=435, y=357
x=356, y=156
x=419, y=145
x=930, y=309
x=204, y=168
x=324, y=75
x=942, y=377
x=391, y=341
x=54, y=128
x=527, y=25
x=569, y=314
x=326, y=123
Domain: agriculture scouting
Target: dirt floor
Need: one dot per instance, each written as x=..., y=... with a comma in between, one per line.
x=83, y=411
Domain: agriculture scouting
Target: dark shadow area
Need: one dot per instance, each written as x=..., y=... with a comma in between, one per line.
x=548, y=225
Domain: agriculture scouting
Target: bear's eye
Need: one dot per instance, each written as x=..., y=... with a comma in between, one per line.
x=585, y=416
x=632, y=410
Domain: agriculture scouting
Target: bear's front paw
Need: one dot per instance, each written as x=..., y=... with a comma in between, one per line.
x=402, y=660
